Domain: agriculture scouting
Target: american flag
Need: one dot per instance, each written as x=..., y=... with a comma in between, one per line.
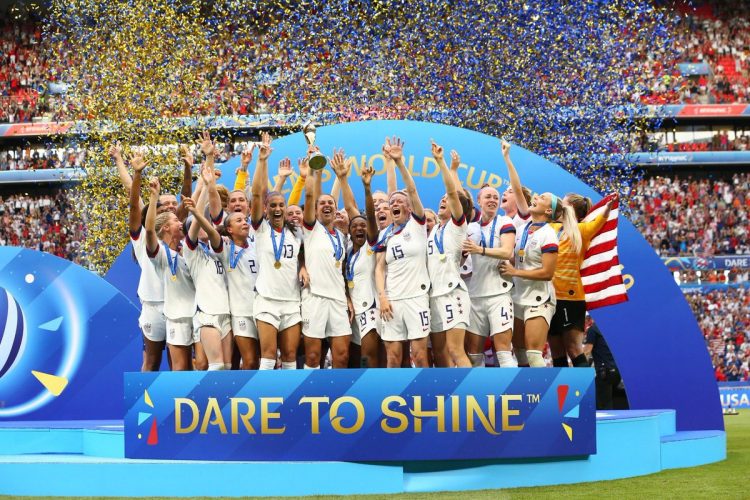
x=600, y=271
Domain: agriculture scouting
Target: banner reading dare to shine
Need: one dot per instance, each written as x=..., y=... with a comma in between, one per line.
x=357, y=415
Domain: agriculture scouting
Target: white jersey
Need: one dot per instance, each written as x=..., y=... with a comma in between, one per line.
x=360, y=269
x=207, y=270
x=241, y=265
x=486, y=280
x=324, y=258
x=273, y=283
x=444, y=267
x=519, y=222
x=530, y=246
x=150, y=285
x=406, y=259
x=179, y=293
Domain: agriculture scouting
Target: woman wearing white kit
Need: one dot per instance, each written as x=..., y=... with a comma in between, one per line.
x=401, y=273
x=164, y=242
x=325, y=312
x=489, y=241
x=276, y=306
x=359, y=272
x=449, y=299
x=202, y=252
x=536, y=258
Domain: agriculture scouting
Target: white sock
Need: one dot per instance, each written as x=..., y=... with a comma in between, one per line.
x=535, y=359
x=288, y=365
x=505, y=359
x=214, y=367
x=521, y=356
x=477, y=360
x=267, y=363
x=227, y=366
x=311, y=367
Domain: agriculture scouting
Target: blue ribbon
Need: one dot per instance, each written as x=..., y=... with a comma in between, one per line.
x=440, y=237
x=337, y=245
x=526, y=232
x=277, y=248
x=232, y=259
x=172, y=262
x=350, y=263
x=492, y=234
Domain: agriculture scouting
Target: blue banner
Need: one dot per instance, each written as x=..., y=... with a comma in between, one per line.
x=354, y=415
x=692, y=158
x=689, y=69
x=715, y=262
x=734, y=394
x=50, y=175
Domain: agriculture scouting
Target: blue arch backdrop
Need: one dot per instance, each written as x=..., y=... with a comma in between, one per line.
x=654, y=337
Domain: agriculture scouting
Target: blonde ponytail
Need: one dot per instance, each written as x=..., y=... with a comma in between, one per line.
x=570, y=228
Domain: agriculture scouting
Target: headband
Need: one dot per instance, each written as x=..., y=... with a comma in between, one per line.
x=554, y=206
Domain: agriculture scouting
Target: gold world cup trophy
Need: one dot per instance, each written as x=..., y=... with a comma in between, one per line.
x=317, y=161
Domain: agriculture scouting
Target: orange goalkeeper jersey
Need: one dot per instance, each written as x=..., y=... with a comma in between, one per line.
x=567, y=278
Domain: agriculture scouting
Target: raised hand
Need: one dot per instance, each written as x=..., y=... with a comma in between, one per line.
x=506, y=147
x=367, y=173
x=615, y=198
x=285, y=168
x=265, y=148
x=455, y=160
x=189, y=204
x=247, y=156
x=207, y=145
x=304, y=167
x=154, y=187
x=437, y=151
x=393, y=148
x=208, y=175
x=340, y=165
x=186, y=155
x=137, y=162
x=115, y=151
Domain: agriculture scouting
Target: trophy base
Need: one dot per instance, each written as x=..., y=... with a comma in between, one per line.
x=317, y=161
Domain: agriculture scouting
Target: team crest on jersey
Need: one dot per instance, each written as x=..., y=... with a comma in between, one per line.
x=147, y=327
x=533, y=244
x=407, y=236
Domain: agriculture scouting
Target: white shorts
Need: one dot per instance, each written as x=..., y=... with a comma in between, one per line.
x=152, y=322
x=450, y=311
x=411, y=320
x=323, y=317
x=281, y=314
x=180, y=331
x=244, y=326
x=546, y=311
x=364, y=323
x=219, y=321
x=491, y=315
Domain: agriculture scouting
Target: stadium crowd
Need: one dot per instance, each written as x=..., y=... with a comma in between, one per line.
x=42, y=222
x=689, y=216
x=724, y=320
x=714, y=33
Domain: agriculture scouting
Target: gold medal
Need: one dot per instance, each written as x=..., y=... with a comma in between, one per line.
x=231, y=269
x=338, y=263
x=277, y=264
x=174, y=277
x=350, y=284
x=442, y=257
x=521, y=252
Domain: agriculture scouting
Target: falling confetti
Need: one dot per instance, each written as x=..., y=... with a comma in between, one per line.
x=550, y=76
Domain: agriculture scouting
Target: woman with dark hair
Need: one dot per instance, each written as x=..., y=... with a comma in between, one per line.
x=449, y=299
x=276, y=306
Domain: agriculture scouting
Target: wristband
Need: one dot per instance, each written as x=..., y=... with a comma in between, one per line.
x=484, y=249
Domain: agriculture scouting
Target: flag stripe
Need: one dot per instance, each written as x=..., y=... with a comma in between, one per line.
x=600, y=271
